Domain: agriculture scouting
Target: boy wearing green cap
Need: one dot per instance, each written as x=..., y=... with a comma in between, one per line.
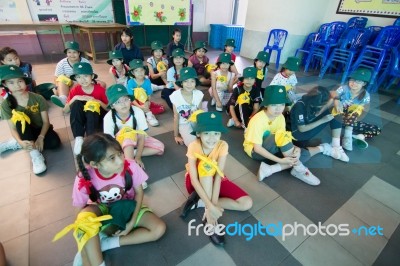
x=205, y=180
x=266, y=135
x=157, y=64
x=352, y=101
x=118, y=70
x=222, y=80
x=245, y=100
x=260, y=63
x=198, y=60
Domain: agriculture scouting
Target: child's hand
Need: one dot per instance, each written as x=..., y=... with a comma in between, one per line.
x=128, y=228
x=213, y=213
x=39, y=143
x=139, y=162
x=179, y=140
x=288, y=160
x=238, y=124
x=26, y=145
x=219, y=104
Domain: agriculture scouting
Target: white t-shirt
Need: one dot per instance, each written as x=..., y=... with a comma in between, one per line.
x=279, y=79
x=186, y=109
x=109, y=125
x=64, y=68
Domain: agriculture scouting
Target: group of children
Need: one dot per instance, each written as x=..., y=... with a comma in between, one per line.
x=111, y=173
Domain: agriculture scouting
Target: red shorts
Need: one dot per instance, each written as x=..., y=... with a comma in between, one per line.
x=228, y=188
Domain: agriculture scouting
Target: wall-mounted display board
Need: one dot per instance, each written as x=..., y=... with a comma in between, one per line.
x=69, y=11
x=377, y=8
x=14, y=11
x=158, y=12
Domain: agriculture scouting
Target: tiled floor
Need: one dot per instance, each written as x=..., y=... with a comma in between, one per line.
x=364, y=192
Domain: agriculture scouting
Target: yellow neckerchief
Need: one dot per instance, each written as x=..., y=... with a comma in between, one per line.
x=208, y=166
x=20, y=116
x=210, y=67
x=128, y=133
x=260, y=74
x=243, y=98
x=86, y=226
x=140, y=94
x=193, y=116
x=65, y=80
x=222, y=79
x=92, y=106
x=288, y=87
x=356, y=108
x=161, y=66
x=283, y=137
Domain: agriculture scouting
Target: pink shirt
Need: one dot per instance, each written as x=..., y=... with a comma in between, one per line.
x=110, y=189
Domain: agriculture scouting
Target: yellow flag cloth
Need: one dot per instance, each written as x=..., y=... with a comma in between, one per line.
x=161, y=66
x=207, y=167
x=260, y=74
x=86, y=226
x=222, y=79
x=283, y=137
x=288, y=87
x=335, y=112
x=193, y=116
x=210, y=67
x=356, y=108
x=64, y=79
x=92, y=106
x=20, y=116
x=128, y=133
x=140, y=94
x=243, y=98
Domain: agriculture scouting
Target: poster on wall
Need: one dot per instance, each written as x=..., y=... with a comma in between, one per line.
x=158, y=12
x=14, y=11
x=378, y=8
x=67, y=11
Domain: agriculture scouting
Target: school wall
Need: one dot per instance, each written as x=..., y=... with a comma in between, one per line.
x=299, y=18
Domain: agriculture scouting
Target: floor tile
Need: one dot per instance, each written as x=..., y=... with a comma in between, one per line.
x=15, y=188
x=17, y=222
x=50, y=206
x=208, y=255
x=372, y=212
x=233, y=168
x=365, y=248
x=290, y=261
x=17, y=162
x=390, y=254
x=52, y=253
x=383, y=192
x=17, y=250
x=383, y=114
x=391, y=107
x=323, y=250
x=179, y=179
x=163, y=196
x=279, y=212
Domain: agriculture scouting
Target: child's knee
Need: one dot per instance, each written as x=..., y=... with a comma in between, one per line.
x=159, y=229
x=246, y=203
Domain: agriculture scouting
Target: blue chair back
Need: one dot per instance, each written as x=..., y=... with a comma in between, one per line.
x=388, y=38
x=374, y=32
x=277, y=38
x=334, y=31
x=355, y=39
x=357, y=22
x=397, y=22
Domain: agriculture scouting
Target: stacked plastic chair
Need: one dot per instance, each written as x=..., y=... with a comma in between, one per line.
x=377, y=56
x=276, y=41
x=397, y=22
x=374, y=30
x=306, y=46
x=320, y=49
x=391, y=73
x=357, y=23
x=345, y=54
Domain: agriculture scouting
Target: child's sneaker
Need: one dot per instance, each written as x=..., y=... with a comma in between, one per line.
x=306, y=176
x=359, y=141
x=335, y=152
x=157, y=87
x=219, y=109
x=264, y=171
x=212, y=102
x=347, y=143
x=38, y=162
x=78, y=145
x=151, y=119
x=58, y=100
x=11, y=144
x=144, y=185
x=230, y=123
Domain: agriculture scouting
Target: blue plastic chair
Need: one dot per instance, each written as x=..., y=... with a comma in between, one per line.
x=305, y=49
x=397, y=22
x=357, y=22
x=320, y=49
x=276, y=41
x=392, y=72
x=344, y=55
x=374, y=30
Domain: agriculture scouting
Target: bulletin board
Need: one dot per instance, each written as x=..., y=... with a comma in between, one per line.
x=158, y=12
x=14, y=11
x=66, y=11
x=378, y=8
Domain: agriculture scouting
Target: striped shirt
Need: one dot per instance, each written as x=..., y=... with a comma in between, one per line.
x=64, y=67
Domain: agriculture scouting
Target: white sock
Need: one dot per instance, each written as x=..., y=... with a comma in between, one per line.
x=299, y=168
x=335, y=142
x=348, y=132
x=275, y=168
x=109, y=243
x=321, y=148
x=34, y=153
x=200, y=204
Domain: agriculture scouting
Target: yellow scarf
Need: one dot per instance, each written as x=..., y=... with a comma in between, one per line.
x=161, y=66
x=20, y=116
x=140, y=94
x=207, y=167
x=222, y=79
x=128, y=133
x=243, y=98
x=193, y=116
x=211, y=67
x=64, y=79
x=260, y=74
x=86, y=226
x=92, y=106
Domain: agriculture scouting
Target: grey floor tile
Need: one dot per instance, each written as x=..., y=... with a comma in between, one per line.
x=390, y=254
x=208, y=255
x=17, y=162
x=17, y=251
x=179, y=179
x=391, y=107
x=290, y=261
x=15, y=189
x=16, y=224
x=233, y=168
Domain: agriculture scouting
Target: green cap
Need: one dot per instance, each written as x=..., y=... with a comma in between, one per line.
x=249, y=72
x=292, y=63
x=363, y=74
x=198, y=45
x=135, y=63
x=185, y=74
x=275, y=94
x=45, y=89
x=157, y=45
x=263, y=56
x=117, y=54
x=71, y=45
x=12, y=72
x=82, y=68
x=209, y=121
x=225, y=58
x=116, y=91
x=230, y=42
x=178, y=52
